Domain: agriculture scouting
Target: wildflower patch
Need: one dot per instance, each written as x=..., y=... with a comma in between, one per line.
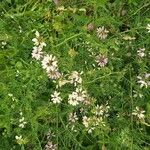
x=75, y=75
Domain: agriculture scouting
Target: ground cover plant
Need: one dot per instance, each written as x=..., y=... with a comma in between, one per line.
x=75, y=75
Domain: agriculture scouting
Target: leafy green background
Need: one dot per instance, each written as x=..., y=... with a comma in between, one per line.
x=63, y=31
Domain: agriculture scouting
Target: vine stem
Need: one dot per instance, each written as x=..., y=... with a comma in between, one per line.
x=76, y=35
x=101, y=77
x=57, y=124
x=131, y=96
x=146, y=5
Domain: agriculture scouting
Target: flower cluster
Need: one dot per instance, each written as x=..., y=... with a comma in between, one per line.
x=144, y=80
x=18, y=138
x=75, y=78
x=22, y=123
x=102, y=33
x=91, y=123
x=3, y=44
x=56, y=99
x=50, y=135
x=50, y=146
x=101, y=60
x=37, y=52
x=97, y=119
x=141, y=52
x=69, y=9
x=73, y=118
x=139, y=113
x=78, y=96
x=49, y=62
x=14, y=99
x=90, y=27
x=128, y=38
x=101, y=110
x=148, y=28
x=137, y=94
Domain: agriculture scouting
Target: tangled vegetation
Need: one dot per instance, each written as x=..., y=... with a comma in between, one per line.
x=75, y=75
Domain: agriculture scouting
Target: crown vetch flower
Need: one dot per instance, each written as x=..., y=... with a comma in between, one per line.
x=73, y=117
x=138, y=113
x=148, y=28
x=54, y=74
x=37, y=53
x=102, y=33
x=72, y=100
x=144, y=80
x=38, y=40
x=141, y=52
x=75, y=78
x=79, y=96
x=55, y=97
x=50, y=146
x=49, y=62
x=101, y=60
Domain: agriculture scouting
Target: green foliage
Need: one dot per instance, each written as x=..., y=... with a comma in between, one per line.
x=65, y=31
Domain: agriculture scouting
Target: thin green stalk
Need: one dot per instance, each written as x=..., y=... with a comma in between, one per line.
x=101, y=77
x=131, y=96
x=76, y=35
x=57, y=124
